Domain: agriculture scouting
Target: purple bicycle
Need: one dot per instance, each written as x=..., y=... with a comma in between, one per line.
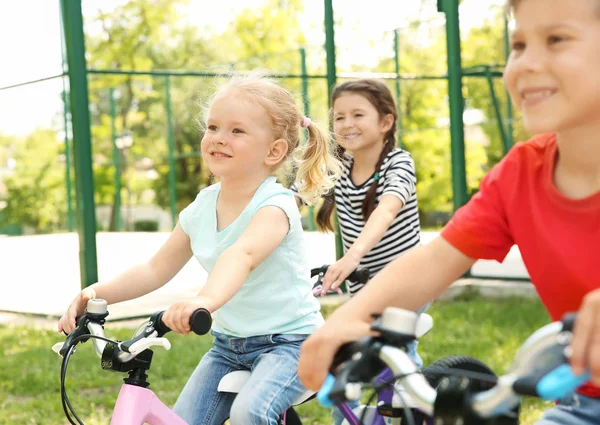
x=386, y=410
x=447, y=392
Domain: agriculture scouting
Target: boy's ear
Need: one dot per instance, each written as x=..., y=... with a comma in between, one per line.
x=387, y=122
x=277, y=152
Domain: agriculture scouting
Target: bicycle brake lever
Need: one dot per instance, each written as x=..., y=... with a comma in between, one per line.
x=148, y=332
x=56, y=348
x=139, y=346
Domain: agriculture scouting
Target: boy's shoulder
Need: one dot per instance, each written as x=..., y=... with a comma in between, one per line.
x=540, y=143
x=536, y=145
x=533, y=153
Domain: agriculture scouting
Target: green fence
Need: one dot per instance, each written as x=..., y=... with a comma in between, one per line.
x=110, y=94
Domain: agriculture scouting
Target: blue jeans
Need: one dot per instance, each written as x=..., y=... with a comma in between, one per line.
x=575, y=409
x=411, y=350
x=271, y=390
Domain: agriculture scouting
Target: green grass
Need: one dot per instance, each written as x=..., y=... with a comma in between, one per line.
x=490, y=330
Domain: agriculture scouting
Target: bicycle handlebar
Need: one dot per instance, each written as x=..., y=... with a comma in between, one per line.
x=360, y=275
x=200, y=322
x=92, y=323
x=132, y=357
x=540, y=368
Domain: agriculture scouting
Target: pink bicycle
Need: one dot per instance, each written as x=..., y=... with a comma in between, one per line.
x=136, y=404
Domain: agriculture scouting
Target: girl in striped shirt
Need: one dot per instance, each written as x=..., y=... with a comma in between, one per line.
x=375, y=199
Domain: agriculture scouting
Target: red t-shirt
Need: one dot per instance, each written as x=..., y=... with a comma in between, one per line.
x=559, y=238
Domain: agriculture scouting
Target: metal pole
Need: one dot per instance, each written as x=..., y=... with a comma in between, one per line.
x=330, y=47
x=398, y=92
x=509, y=109
x=457, y=136
x=171, y=144
x=306, y=104
x=331, y=81
x=116, y=159
x=80, y=114
x=71, y=218
x=497, y=111
x=174, y=73
x=126, y=167
x=305, y=100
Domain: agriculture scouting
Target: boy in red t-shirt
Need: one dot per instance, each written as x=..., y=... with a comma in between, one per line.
x=544, y=196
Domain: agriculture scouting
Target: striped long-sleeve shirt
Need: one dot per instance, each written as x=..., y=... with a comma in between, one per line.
x=397, y=178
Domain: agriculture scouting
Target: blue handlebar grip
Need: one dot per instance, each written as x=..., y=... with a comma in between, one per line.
x=323, y=394
x=560, y=382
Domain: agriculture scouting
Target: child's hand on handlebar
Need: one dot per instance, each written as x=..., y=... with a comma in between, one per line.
x=586, y=338
x=317, y=352
x=76, y=309
x=177, y=316
x=338, y=272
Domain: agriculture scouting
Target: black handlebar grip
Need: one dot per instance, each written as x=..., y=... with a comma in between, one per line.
x=347, y=351
x=159, y=325
x=569, y=321
x=201, y=321
x=360, y=275
x=318, y=270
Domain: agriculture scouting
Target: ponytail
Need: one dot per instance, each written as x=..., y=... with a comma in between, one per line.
x=319, y=167
x=323, y=219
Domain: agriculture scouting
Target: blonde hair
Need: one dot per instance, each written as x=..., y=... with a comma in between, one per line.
x=317, y=166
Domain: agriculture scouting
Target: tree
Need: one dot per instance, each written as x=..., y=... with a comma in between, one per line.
x=425, y=133
x=485, y=45
x=148, y=35
x=142, y=35
x=270, y=38
x=36, y=192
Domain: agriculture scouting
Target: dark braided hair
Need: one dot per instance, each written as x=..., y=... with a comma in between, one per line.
x=379, y=95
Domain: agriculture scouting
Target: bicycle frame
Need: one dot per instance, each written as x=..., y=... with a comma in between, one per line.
x=136, y=406
x=540, y=368
x=385, y=396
